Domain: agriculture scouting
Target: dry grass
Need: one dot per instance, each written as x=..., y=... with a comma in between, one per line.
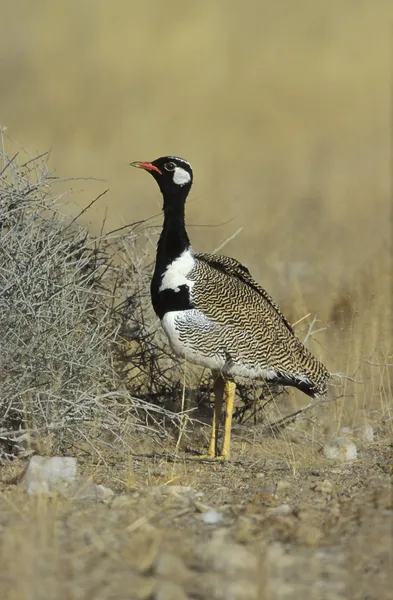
x=61, y=321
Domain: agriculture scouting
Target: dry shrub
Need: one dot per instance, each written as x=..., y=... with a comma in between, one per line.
x=61, y=313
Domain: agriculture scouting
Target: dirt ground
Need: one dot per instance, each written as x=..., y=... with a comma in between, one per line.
x=279, y=521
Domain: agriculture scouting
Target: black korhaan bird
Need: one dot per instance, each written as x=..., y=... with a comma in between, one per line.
x=216, y=315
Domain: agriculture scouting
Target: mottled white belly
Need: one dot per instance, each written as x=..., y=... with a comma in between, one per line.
x=194, y=337
x=204, y=342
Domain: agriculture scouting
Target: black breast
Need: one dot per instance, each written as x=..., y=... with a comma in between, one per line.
x=168, y=300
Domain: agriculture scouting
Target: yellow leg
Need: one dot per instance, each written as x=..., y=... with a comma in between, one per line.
x=229, y=392
x=219, y=384
x=222, y=389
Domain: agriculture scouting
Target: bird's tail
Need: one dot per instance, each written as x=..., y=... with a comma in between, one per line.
x=306, y=385
x=309, y=376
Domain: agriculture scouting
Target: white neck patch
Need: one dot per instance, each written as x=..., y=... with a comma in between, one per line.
x=176, y=273
x=181, y=176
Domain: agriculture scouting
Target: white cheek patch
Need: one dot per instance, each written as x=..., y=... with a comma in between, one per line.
x=176, y=273
x=180, y=176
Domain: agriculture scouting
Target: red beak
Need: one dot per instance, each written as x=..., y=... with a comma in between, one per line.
x=146, y=165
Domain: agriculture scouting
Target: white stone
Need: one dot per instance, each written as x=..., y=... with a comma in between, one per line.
x=367, y=433
x=211, y=517
x=340, y=449
x=47, y=474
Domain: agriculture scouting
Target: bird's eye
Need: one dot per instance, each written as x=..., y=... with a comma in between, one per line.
x=170, y=166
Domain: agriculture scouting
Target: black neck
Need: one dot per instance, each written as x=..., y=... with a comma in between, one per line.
x=173, y=239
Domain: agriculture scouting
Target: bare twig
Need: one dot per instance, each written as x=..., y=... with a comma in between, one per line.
x=346, y=377
x=378, y=364
x=300, y=320
x=227, y=240
x=311, y=331
x=281, y=423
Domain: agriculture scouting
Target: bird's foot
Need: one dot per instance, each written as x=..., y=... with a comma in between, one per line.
x=208, y=457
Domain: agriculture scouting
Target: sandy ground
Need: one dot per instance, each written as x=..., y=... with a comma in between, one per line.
x=283, y=528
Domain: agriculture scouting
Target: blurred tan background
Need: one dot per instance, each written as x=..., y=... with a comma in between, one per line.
x=283, y=108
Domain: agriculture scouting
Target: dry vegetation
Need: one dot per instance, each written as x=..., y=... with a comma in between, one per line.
x=292, y=145
x=68, y=315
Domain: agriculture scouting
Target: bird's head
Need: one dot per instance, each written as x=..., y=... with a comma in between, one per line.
x=173, y=175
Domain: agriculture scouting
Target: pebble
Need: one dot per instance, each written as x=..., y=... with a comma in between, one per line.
x=103, y=493
x=340, y=448
x=211, y=517
x=85, y=489
x=283, y=485
x=58, y=474
x=49, y=474
x=367, y=433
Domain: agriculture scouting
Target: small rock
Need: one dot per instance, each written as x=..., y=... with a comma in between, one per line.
x=325, y=487
x=49, y=474
x=283, y=485
x=340, y=448
x=211, y=517
x=103, y=493
x=260, y=476
x=367, y=433
x=85, y=489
